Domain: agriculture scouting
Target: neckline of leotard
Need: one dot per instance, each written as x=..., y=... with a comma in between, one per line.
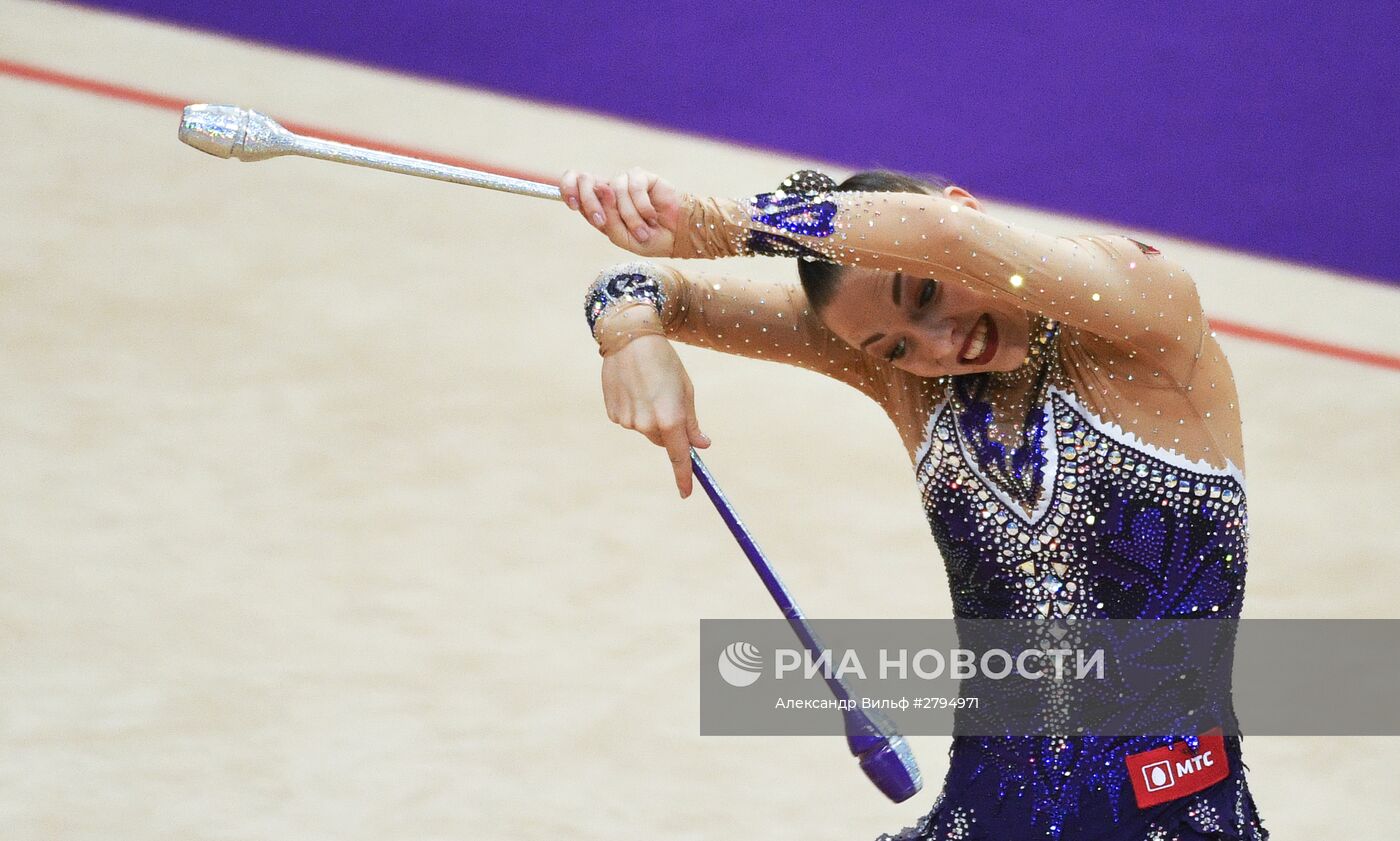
x=1023, y=476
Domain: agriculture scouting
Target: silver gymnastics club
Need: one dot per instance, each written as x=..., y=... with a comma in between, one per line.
x=227, y=131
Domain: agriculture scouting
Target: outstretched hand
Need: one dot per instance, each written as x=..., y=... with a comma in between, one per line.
x=637, y=210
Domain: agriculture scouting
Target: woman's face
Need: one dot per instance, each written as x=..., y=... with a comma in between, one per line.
x=926, y=327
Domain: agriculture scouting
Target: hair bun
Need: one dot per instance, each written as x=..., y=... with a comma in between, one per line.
x=807, y=181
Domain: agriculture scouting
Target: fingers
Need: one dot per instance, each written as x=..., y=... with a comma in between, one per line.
x=622, y=208
x=588, y=199
x=697, y=438
x=568, y=188
x=639, y=184
x=675, y=435
x=624, y=197
x=692, y=423
x=677, y=444
x=613, y=225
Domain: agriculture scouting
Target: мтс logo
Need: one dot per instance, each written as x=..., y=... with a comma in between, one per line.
x=1158, y=776
x=740, y=664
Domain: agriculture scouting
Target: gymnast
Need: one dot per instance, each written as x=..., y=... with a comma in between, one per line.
x=1072, y=423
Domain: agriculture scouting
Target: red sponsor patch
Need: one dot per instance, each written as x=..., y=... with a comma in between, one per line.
x=1172, y=771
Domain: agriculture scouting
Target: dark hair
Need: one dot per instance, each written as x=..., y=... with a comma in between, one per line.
x=819, y=278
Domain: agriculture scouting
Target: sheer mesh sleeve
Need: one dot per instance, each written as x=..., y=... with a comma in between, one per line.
x=1122, y=290
x=757, y=319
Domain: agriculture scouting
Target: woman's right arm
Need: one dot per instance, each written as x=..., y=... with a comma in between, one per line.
x=634, y=308
x=753, y=318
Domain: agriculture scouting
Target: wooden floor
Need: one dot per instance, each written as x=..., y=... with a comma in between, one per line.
x=312, y=525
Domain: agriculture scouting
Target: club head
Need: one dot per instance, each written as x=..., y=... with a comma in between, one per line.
x=227, y=131
x=884, y=755
x=891, y=767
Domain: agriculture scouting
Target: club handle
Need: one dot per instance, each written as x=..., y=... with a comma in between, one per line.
x=344, y=153
x=775, y=586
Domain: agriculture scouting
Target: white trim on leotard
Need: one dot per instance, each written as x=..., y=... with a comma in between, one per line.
x=1133, y=442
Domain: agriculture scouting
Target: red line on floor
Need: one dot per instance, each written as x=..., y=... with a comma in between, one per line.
x=1274, y=337
x=79, y=83
x=141, y=97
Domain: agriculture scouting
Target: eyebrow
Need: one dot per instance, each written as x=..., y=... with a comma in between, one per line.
x=875, y=338
x=898, y=285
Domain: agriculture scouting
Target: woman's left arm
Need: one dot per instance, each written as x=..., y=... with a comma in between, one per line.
x=1112, y=286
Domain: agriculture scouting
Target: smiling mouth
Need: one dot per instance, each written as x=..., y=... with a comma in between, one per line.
x=981, y=343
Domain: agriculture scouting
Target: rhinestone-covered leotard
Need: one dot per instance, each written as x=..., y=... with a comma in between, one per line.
x=1100, y=480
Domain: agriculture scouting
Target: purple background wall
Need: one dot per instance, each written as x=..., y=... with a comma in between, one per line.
x=1269, y=127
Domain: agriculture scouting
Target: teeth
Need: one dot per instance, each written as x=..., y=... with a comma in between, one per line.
x=979, y=341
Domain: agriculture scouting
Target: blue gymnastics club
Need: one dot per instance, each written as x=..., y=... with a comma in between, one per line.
x=884, y=755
